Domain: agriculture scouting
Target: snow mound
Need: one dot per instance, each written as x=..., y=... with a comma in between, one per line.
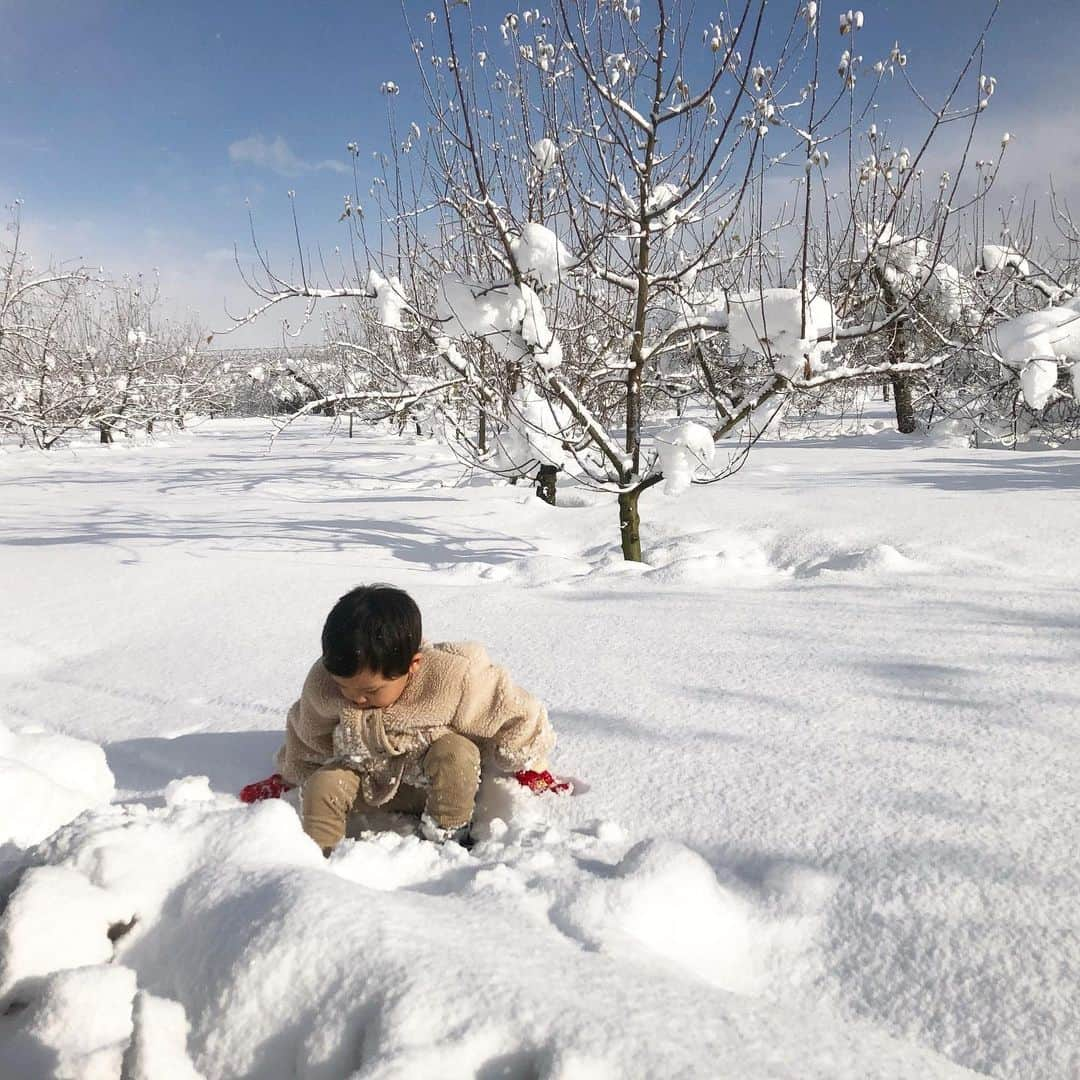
x=953, y=433
x=388, y=861
x=879, y=558
x=539, y=570
x=92, y=1023
x=188, y=789
x=667, y=898
x=46, y=780
x=717, y=558
x=750, y=557
x=34, y=942
x=763, y=556
x=80, y=1026
x=251, y=955
x=158, y=1048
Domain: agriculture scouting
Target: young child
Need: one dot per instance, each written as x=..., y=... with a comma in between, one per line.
x=385, y=720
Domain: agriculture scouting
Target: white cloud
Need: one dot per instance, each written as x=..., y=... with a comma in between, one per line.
x=26, y=144
x=277, y=155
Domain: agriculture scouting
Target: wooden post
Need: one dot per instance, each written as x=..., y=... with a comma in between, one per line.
x=545, y=483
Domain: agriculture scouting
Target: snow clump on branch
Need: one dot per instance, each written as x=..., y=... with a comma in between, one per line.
x=1043, y=335
x=912, y=266
x=545, y=153
x=389, y=298
x=1034, y=342
x=1037, y=382
x=661, y=205
x=995, y=257
x=701, y=309
x=684, y=450
x=539, y=253
x=510, y=318
x=537, y=431
x=770, y=323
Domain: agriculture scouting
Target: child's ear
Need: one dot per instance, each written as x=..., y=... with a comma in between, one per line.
x=414, y=663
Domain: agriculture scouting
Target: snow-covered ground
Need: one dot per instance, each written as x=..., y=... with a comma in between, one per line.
x=827, y=814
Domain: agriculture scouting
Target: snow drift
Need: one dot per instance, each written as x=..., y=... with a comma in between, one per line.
x=239, y=951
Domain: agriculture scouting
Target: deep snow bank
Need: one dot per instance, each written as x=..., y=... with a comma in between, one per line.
x=547, y=952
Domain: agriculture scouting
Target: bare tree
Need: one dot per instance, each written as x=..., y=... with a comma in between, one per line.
x=583, y=233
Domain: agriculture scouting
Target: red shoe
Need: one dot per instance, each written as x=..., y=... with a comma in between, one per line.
x=273, y=787
x=537, y=782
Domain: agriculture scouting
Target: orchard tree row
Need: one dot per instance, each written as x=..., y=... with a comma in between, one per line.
x=79, y=352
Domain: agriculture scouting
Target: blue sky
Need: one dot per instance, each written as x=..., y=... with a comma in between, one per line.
x=119, y=117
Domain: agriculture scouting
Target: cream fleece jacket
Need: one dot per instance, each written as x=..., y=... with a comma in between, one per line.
x=456, y=688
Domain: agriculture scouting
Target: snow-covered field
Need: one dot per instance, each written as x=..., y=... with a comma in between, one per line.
x=826, y=743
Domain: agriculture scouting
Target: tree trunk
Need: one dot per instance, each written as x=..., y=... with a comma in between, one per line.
x=350, y=424
x=105, y=434
x=481, y=436
x=905, y=410
x=901, y=345
x=633, y=417
x=630, y=525
x=545, y=483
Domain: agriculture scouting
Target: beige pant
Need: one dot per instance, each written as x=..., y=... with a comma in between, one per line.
x=451, y=767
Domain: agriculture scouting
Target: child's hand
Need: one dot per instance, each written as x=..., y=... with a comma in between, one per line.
x=273, y=787
x=537, y=782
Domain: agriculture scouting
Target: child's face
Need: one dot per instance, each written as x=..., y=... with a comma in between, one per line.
x=370, y=690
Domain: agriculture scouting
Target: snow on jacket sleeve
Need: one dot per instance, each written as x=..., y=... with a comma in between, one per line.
x=512, y=723
x=309, y=728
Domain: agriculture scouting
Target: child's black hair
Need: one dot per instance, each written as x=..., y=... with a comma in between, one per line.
x=372, y=628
